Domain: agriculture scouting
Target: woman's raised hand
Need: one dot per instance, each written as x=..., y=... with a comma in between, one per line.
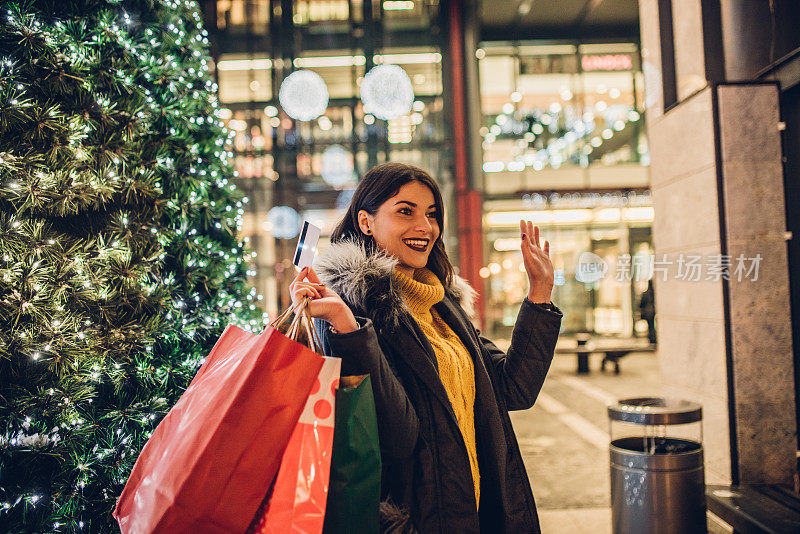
x=325, y=303
x=537, y=263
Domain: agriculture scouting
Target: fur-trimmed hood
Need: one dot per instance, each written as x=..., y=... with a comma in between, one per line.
x=365, y=281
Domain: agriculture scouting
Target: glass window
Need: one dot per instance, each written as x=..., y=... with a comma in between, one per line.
x=340, y=69
x=553, y=106
x=408, y=14
x=239, y=16
x=581, y=228
x=422, y=64
x=322, y=15
x=244, y=78
x=564, y=145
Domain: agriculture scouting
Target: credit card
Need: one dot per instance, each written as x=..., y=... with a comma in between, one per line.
x=307, y=245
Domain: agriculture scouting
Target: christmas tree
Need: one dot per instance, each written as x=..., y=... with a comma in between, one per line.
x=120, y=263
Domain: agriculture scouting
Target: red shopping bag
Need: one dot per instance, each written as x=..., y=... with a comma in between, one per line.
x=209, y=463
x=298, y=499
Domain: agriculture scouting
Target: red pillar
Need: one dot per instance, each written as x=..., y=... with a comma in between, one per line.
x=469, y=201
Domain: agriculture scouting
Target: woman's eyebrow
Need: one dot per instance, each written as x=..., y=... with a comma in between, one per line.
x=412, y=204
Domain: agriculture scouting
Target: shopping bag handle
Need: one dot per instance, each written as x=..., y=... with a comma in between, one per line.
x=302, y=319
x=282, y=317
x=311, y=332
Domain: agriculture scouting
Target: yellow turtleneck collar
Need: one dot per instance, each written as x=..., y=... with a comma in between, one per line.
x=422, y=291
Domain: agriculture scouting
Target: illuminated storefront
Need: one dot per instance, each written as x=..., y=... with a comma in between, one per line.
x=564, y=146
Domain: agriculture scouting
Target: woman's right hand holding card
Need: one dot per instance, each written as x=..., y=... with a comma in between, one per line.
x=325, y=303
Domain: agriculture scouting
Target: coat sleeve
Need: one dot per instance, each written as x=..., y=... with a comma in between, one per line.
x=519, y=375
x=361, y=353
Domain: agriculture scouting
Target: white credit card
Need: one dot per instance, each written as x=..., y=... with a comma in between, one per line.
x=307, y=245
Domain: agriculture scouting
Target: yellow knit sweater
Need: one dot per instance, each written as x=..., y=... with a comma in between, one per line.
x=456, y=369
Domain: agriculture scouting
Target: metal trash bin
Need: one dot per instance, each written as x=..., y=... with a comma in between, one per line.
x=657, y=476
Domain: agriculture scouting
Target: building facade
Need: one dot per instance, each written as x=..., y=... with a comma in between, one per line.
x=722, y=118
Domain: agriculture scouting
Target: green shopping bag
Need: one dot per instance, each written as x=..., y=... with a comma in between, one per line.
x=355, y=481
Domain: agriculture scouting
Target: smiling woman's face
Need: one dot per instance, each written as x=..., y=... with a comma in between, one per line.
x=405, y=226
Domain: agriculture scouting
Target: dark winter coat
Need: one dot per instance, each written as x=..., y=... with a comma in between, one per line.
x=426, y=467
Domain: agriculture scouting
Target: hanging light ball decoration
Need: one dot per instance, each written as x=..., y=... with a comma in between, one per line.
x=386, y=92
x=284, y=222
x=303, y=95
x=344, y=199
x=337, y=166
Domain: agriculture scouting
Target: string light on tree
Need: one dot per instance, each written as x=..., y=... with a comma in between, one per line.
x=118, y=343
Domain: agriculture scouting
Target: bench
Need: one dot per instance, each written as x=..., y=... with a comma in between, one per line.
x=611, y=354
x=755, y=508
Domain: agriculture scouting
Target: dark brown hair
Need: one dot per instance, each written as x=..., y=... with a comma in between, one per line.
x=379, y=185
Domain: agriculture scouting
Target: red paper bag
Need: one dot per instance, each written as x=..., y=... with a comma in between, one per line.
x=209, y=463
x=297, y=503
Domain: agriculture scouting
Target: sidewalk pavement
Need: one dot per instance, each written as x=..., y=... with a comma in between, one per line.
x=564, y=440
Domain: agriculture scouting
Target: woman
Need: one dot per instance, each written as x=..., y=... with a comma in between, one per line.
x=392, y=307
